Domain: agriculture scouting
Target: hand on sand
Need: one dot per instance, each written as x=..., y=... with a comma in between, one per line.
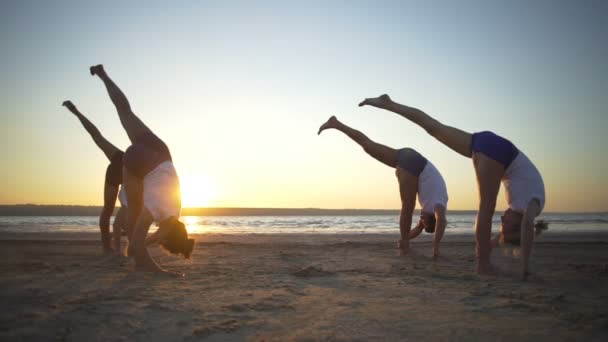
x=435, y=253
x=330, y=123
x=381, y=101
x=69, y=105
x=97, y=70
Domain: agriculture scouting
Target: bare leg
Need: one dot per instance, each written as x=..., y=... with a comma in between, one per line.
x=382, y=153
x=134, y=188
x=109, y=200
x=457, y=140
x=138, y=223
x=108, y=149
x=143, y=260
x=489, y=174
x=130, y=122
x=120, y=222
x=408, y=188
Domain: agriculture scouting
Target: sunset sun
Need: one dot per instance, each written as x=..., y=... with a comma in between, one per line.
x=197, y=191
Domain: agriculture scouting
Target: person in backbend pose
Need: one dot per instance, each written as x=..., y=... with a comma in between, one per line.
x=494, y=159
x=111, y=186
x=416, y=175
x=151, y=184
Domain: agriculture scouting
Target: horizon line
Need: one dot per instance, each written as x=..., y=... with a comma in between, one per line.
x=214, y=211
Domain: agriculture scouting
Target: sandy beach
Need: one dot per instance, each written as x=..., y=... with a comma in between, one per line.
x=301, y=287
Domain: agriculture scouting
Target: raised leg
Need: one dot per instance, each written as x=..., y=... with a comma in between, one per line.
x=382, y=153
x=457, y=140
x=489, y=174
x=130, y=122
x=108, y=149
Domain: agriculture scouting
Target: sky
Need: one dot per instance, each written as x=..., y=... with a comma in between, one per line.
x=238, y=89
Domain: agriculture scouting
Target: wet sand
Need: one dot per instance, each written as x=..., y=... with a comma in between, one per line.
x=302, y=287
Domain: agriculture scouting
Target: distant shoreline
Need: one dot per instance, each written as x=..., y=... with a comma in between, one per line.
x=82, y=210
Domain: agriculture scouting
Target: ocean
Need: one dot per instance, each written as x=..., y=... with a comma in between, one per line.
x=459, y=223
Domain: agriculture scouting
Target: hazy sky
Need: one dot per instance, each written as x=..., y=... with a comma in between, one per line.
x=238, y=89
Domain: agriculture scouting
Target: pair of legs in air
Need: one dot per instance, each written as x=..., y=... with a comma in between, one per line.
x=489, y=173
x=139, y=218
x=112, y=184
x=408, y=188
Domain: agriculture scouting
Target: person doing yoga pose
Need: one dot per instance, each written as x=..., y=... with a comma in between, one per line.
x=151, y=184
x=112, y=185
x=416, y=176
x=495, y=159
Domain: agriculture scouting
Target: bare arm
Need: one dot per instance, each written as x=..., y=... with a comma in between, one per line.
x=527, y=235
x=441, y=223
x=414, y=232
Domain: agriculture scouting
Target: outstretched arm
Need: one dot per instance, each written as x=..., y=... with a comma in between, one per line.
x=108, y=149
x=527, y=235
x=441, y=223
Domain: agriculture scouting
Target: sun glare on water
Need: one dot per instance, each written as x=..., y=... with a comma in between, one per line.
x=197, y=191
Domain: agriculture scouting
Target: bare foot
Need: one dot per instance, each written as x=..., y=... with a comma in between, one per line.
x=381, y=101
x=97, y=70
x=69, y=105
x=404, y=247
x=331, y=123
x=486, y=268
